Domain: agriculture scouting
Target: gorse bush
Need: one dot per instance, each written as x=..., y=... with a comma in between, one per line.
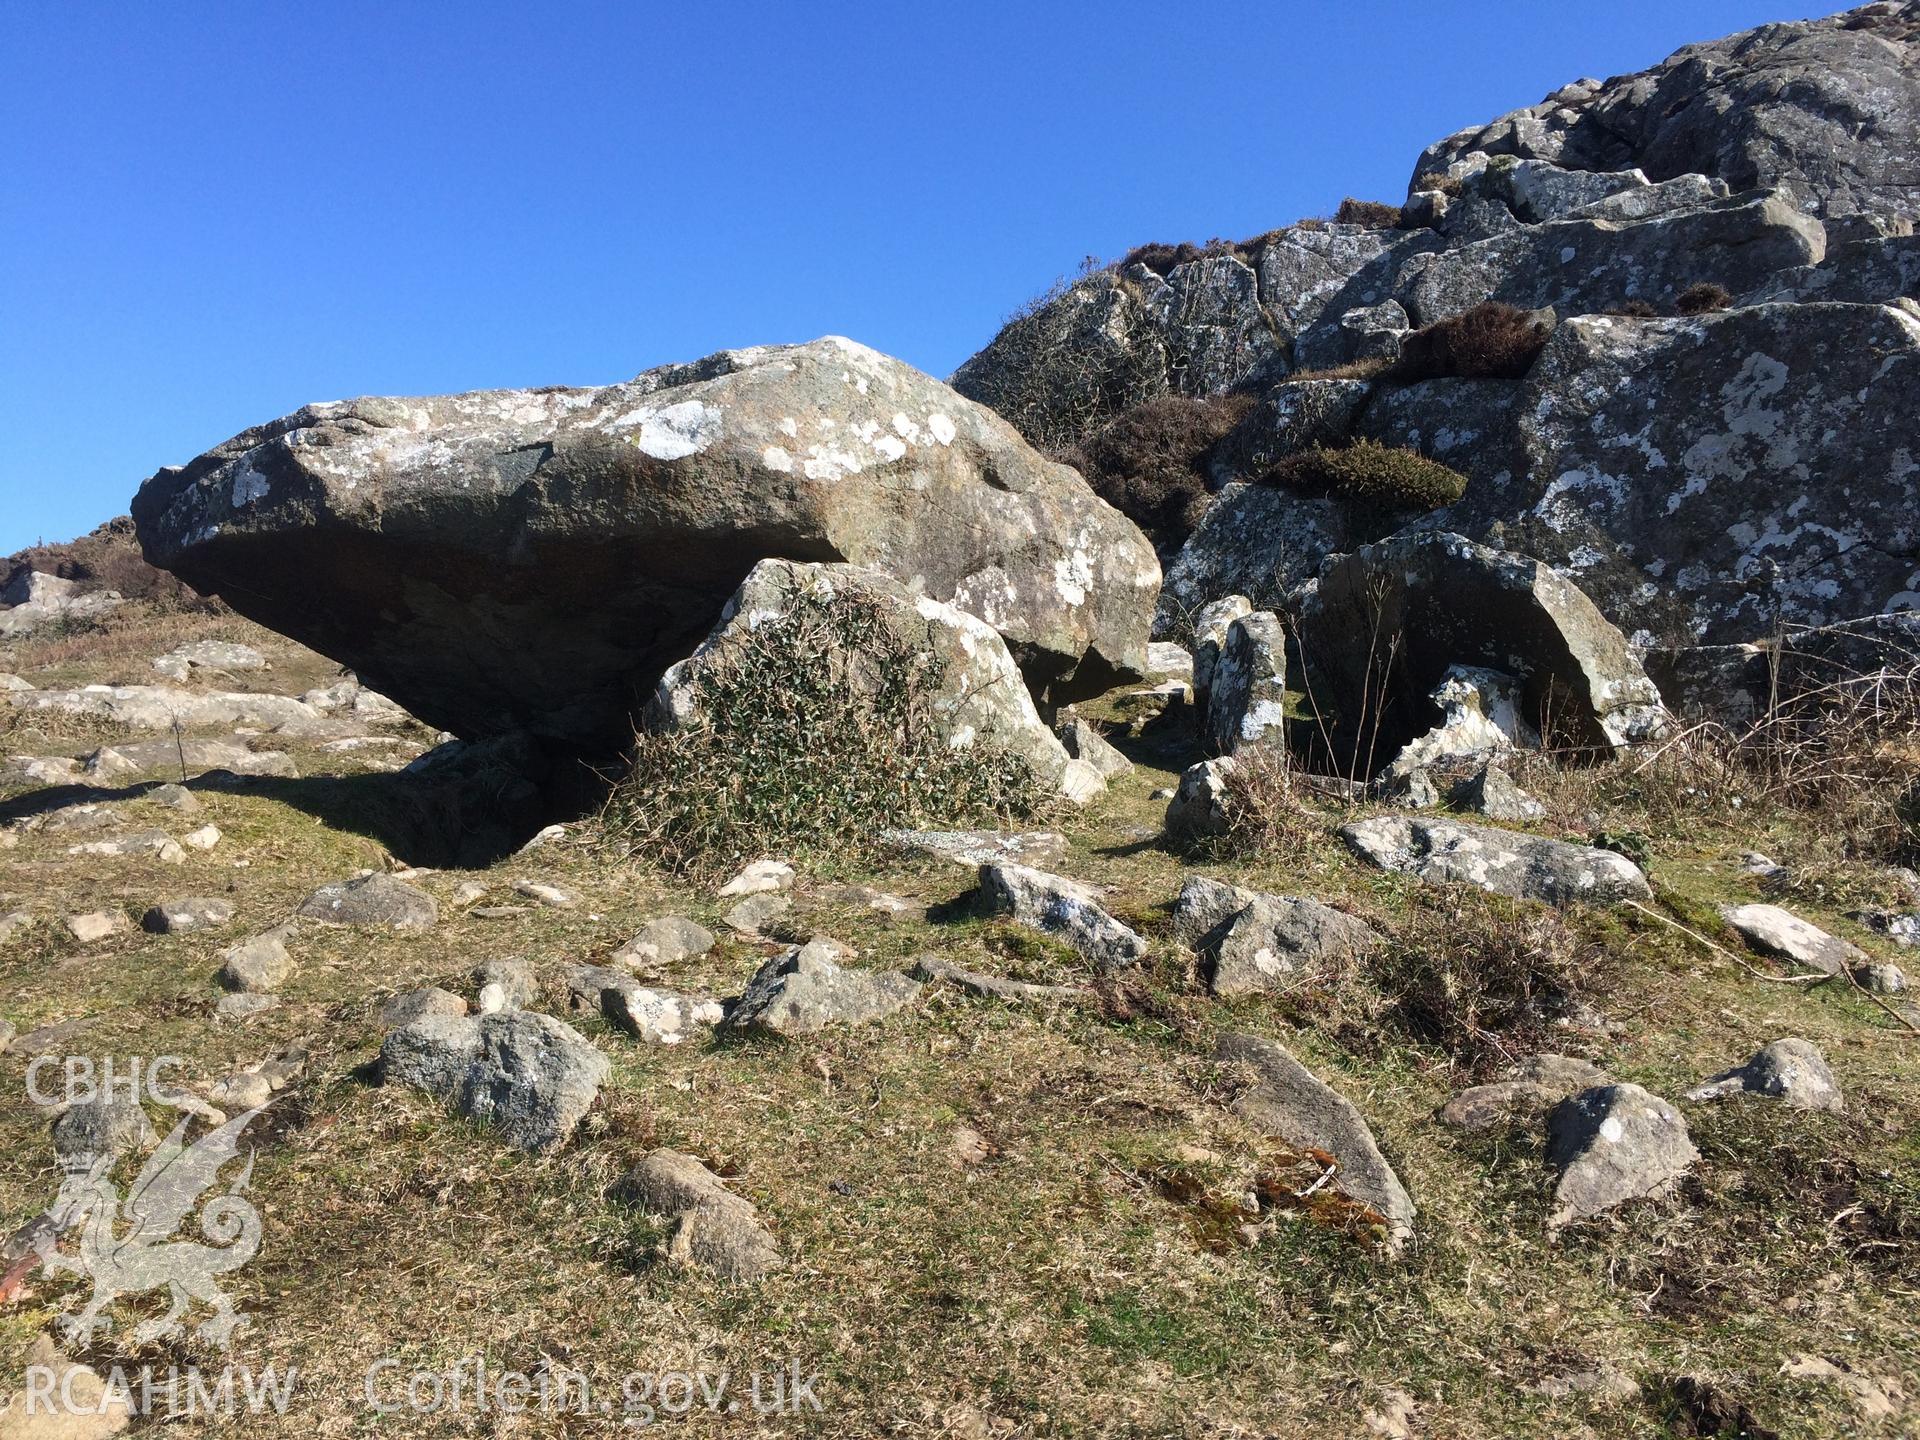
x=1151, y=462
x=1702, y=298
x=1491, y=341
x=1375, y=214
x=813, y=730
x=1373, y=478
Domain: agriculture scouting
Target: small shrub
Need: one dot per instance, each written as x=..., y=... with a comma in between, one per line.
x=1374, y=214
x=1372, y=477
x=1438, y=180
x=1161, y=258
x=1151, y=462
x=1491, y=341
x=815, y=732
x=1264, y=815
x=108, y=558
x=1634, y=310
x=1702, y=298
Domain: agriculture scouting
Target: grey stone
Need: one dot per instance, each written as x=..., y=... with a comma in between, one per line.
x=974, y=848
x=1066, y=909
x=552, y=897
x=1792, y=1070
x=1258, y=541
x=156, y=843
x=1612, y=1144
x=657, y=1017
x=427, y=1001
x=1479, y=717
x=528, y=1075
x=1198, y=808
x=931, y=969
x=1246, y=694
x=1084, y=742
x=1293, y=1104
x=260, y=965
x=186, y=915
x=1541, y=1082
x=1881, y=979
x=719, y=1230
x=1490, y=791
x=753, y=914
x=240, y=1006
x=587, y=984
x=183, y=660
x=761, y=877
x=97, y=925
x=1526, y=867
x=652, y=499
x=7, y=1032
x=372, y=900
x=511, y=982
x=666, y=941
x=103, y=1128
x=174, y=797
x=1210, y=626
x=805, y=990
x=130, y=759
x=159, y=707
x=1254, y=942
x=1774, y=931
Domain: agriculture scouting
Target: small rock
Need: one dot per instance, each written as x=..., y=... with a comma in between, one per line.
x=866, y=897
x=1083, y=742
x=1881, y=979
x=186, y=915
x=1490, y=791
x=805, y=990
x=1612, y=1144
x=1165, y=792
x=1900, y=926
x=666, y=941
x=1526, y=867
x=529, y=1075
x=719, y=1231
x=242, y=1090
x=14, y=923
x=1876, y=1400
x=426, y=1002
x=1792, y=1070
x=1198, y=807
x=174, y=797
x=587, y=983
x=469, y=892
x=548, y=835
x=517, y=986
x=109, y=1125
x=1542, y=1082
x=554, y=897
x=657, y=1017
x=258, y=966
x=1773, y=931
x=1060, y=907
x=97, y=925
x=756, y=912
x=1291, y=1103
x=64, y=1400
x=243, y=1005
x=372, y=900
x=968, y=1148
x=156, y=843
x=205, y=838
x=7, y=1032
x=974, y=848
x=930, y=968
x=759, y=878
x=1254, y=942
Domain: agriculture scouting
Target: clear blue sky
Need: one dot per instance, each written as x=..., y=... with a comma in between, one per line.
x=213, y=213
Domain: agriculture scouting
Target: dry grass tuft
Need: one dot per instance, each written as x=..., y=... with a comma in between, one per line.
x=1491, y=341
x=1151, y=463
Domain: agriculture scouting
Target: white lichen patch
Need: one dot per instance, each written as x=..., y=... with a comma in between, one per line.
x=671, y=432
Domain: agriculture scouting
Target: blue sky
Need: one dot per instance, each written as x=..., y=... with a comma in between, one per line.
x=214, y=213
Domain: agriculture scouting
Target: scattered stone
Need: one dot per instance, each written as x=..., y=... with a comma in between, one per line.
x=1541, y=1082
x=97, y=925
x=71, y=1402
x=762, y=876
x=1247, y=685
x=1292, y=1104
x=513, y=982
x=1085, y=743
x=805, y=990
x=468, y=892
x=174, y=797
x=1612, y=1144
x=1902, y=927
x=866, y=897
x=657, y=1017
x=156, y=843
x=7, y=1032
x=1791, y=1070
x=372, y=900
x=931, y=968
x=529, y=1075
x=666, y=941
x=257, y=966
x=205, y=838
x=756, y=912
x=14, y=923
x=55, y=1036
x=554, y=897
x=186, y=915
x=44, y=769
x=1060, y=907
x=546, y=835
x=426, y=1002
x=1773, y=931
x=1881, y=979
x=719, y=1231
x=1876, y=1399
x=1603, y=1381
x=974, y=848
x=1254, y=942
x=108, y=1126
x=240, y=1006
x=182, y=661
x=242, y=1090
x=1526, y=867
x=1490, y=791
x=1198, y=807
x=585, y=984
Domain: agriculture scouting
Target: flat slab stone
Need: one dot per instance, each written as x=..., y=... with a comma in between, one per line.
x=1526, y=867
x=1773, y=931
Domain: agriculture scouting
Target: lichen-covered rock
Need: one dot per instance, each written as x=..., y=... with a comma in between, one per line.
x=1210, y=625
x=186, y=915
x=182, y=661
x=259, y=966
x=1874, y=271
x=1526, y=867
x=806, y=990
x=657, y=1017
x=1774, y=931
x=666, y=941
x=1540, y=1083
x=1828, y=110
x=528, y=1075
x=1488, y=790
x=1253, y=942
x=719, y=1231
x=974, y=692
x=1247, y=687
x=1612, y=1144
x=1293, y=1104
x=1085, y=743
x=1440, y=601
x=1479, y=717
x=1792, y=1070
x=1060, y=907
x=529, y=560
x=1257, y=542
x=1198, y=807
x=372, y=900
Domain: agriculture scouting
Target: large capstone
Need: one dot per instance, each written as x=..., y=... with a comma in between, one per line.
x=533, y=560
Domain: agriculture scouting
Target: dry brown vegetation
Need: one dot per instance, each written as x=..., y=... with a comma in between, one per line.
x=1151, y=463
x=1491, y=341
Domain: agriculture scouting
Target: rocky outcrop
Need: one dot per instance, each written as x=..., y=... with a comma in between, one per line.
x=528, y=1075
x=1060, y=907
x=1827, y=110
x=956, y=664
x=1526, y=867
x=1252, y=942
x=531, y=560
